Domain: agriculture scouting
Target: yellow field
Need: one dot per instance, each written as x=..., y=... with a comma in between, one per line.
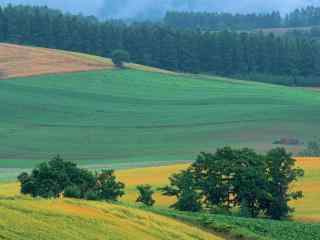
x=155, y=176
x=307, y=209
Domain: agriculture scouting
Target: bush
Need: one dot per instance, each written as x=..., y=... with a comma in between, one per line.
x=145, y=195
x=119, y=57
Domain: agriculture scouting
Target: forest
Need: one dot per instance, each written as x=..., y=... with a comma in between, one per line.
x=225, y=53
x=308, y=16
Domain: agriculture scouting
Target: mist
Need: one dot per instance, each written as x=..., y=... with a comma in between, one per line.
x=146, y=9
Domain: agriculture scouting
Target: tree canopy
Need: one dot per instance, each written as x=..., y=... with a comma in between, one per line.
x=238, y=178
x=58, y=177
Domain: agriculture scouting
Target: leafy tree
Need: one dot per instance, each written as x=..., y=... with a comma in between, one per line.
x=119, y=57
x=108, y=188
x=211, y=173
x=242, y=178
x=281, y=173
x=145, y=195
x=182, y=186
x=249, y=181
x=49, y=179
x=56, y=177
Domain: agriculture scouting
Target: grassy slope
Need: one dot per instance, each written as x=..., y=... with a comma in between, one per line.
x=135, y=117
x=24, y=218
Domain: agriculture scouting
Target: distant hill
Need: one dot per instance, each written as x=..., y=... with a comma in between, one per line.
x=23, y=61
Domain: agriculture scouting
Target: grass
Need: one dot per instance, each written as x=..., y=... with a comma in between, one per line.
x=129, y=117
x=23, y=218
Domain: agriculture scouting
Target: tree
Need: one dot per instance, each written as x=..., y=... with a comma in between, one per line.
x=211, y=173
x=281, y=173
x=182, y=186
x=231, y=178
x=56, y=177
x=249, y=181
x=145, y=195
x=119, y=57
x=49, y=179
x=108, y=188
x=242, y=178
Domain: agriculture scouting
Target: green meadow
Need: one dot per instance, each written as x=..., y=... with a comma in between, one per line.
x=127, y=118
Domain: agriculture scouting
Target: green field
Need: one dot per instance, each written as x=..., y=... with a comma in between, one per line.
x=129, y=118
x=247, y=228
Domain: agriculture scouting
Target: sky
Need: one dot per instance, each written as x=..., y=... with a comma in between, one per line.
x=136, y=8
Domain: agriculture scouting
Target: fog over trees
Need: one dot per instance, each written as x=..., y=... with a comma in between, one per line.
x=150, y=9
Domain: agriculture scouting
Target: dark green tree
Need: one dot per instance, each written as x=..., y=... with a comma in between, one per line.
x=281, y=173
x=108, y=188
x=56, y=177
x=49, y=179
x=145, y=195
x=183, y=187
x=119, y=57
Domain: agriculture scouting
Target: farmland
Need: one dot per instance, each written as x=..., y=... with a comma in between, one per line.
x=20, y=61
x=129, y=118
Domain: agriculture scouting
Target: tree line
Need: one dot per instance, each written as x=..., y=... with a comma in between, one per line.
x=224, y=53
x=215, y=21
x=258, y=185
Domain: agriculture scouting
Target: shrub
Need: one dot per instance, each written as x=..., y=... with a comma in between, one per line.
x=145, y=195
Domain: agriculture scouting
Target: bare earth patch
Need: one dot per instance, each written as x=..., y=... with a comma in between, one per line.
x=22, y=61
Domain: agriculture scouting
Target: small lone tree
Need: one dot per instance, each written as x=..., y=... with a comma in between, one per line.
x=119, y=57
x=145, y=195
x=182, y=186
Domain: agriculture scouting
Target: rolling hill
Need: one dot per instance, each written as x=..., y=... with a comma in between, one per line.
x=141, y=116
x=25, y=218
